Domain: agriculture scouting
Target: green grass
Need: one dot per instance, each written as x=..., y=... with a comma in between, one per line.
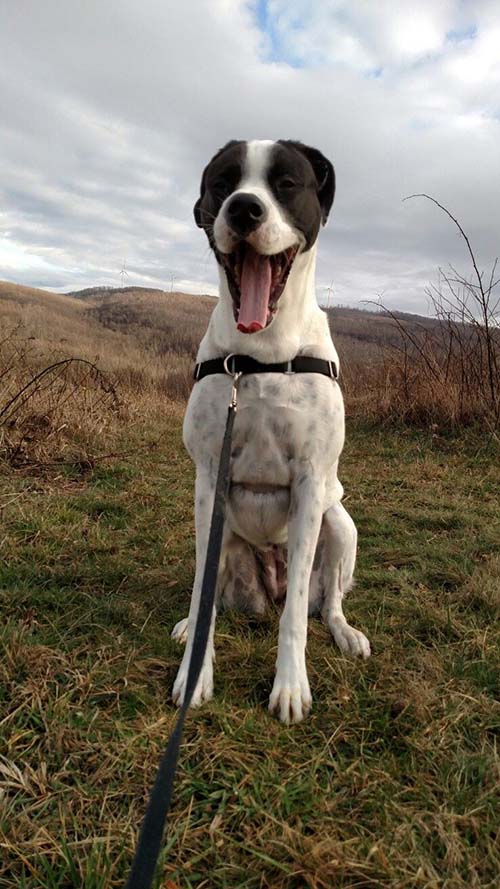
x=394, y=778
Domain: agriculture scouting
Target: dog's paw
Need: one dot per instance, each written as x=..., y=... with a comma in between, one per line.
x=290, y=698
x=204, y=687
x=350, y=641
x=179, y=633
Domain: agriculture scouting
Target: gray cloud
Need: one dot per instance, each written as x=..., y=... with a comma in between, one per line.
x=110, y=111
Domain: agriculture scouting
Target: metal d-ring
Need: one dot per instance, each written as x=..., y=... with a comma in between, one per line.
x=231, y=373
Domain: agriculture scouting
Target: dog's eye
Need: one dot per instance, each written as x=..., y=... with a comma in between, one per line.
x=286, y=183
x=221, y=188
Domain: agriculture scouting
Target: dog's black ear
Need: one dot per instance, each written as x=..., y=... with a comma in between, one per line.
x=198, y=212
x=325, y=175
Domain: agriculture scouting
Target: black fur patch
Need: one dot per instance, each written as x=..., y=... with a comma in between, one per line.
x=220, y=178
x=303, y=182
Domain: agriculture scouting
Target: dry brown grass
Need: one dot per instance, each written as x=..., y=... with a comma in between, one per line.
x=55, y=326
x=164, y=323
x=425, y=383
x=103, y=373
x=140, y=346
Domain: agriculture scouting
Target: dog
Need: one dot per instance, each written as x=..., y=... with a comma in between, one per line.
x=287, y=535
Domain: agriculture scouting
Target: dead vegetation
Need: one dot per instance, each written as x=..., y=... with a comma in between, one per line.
x=443, y=373
x=68, y=379
x=54, y=414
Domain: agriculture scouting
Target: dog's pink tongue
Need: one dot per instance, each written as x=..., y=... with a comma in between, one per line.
x=255, y=289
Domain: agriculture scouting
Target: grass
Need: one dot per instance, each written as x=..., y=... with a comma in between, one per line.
x=394, y=778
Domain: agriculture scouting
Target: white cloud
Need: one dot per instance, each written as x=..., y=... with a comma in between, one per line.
x=111, y=110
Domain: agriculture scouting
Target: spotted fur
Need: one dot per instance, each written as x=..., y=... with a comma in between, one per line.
x=285, y=523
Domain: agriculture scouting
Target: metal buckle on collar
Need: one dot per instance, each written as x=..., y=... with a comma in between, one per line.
x=289, y=368
x=333, y=369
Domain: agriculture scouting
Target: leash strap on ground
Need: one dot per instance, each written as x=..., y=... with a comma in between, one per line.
x=151, y=835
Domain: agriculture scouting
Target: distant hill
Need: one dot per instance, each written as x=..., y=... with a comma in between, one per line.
x=87, y=292
x=361, y=330
x=92, y=292
x=126, y=318
x=54, y=324
x=142, y=309
x=162, y=321
x=21, y=295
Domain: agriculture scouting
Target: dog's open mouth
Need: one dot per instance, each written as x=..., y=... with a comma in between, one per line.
x=256, y=282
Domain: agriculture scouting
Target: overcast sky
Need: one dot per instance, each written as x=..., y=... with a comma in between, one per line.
x=110, y=109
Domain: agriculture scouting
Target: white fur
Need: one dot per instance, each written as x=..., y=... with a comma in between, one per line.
x=289, y=431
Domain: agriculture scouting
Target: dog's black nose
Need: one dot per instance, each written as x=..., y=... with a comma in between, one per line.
x=244, y=213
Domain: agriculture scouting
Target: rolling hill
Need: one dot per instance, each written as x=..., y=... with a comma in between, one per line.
x=164, y=322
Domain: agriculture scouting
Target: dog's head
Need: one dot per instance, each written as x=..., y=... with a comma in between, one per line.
x=262, y=203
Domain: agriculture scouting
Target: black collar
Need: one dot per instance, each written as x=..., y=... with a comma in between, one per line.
x=234, y=364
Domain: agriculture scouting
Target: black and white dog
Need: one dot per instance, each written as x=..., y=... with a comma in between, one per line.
x=261, y=205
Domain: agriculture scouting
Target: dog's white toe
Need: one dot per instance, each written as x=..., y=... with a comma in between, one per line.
x=290, y=701
x=179, y=633
x=204, y=690
x=350, y=641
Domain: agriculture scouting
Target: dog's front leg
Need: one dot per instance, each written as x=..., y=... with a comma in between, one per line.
x=291, y=696
x=204, y=499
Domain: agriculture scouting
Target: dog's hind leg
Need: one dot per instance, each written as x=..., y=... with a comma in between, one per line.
x=338, y=533
x=240, y=587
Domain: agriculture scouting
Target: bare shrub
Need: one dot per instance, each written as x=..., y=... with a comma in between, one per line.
x=445, y=374
x=49, y=414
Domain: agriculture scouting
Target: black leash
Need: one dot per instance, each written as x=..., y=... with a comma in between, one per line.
x=151, y=834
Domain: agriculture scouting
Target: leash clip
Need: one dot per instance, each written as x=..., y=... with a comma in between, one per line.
x=234, y=390
x=236, y=378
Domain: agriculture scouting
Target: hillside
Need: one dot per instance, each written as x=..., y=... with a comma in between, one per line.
x=164, y=322
x=161, y=321
x=147, y=340
x=144, y=339
x=52, y=321
x=378, y=328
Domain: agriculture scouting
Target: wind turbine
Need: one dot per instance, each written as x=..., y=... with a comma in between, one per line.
x=124, y=274
x=329, y=291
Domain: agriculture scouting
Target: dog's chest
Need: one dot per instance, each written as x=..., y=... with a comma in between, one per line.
x=282, y=420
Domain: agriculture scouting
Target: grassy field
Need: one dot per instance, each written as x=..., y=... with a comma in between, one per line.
x=394, y=778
